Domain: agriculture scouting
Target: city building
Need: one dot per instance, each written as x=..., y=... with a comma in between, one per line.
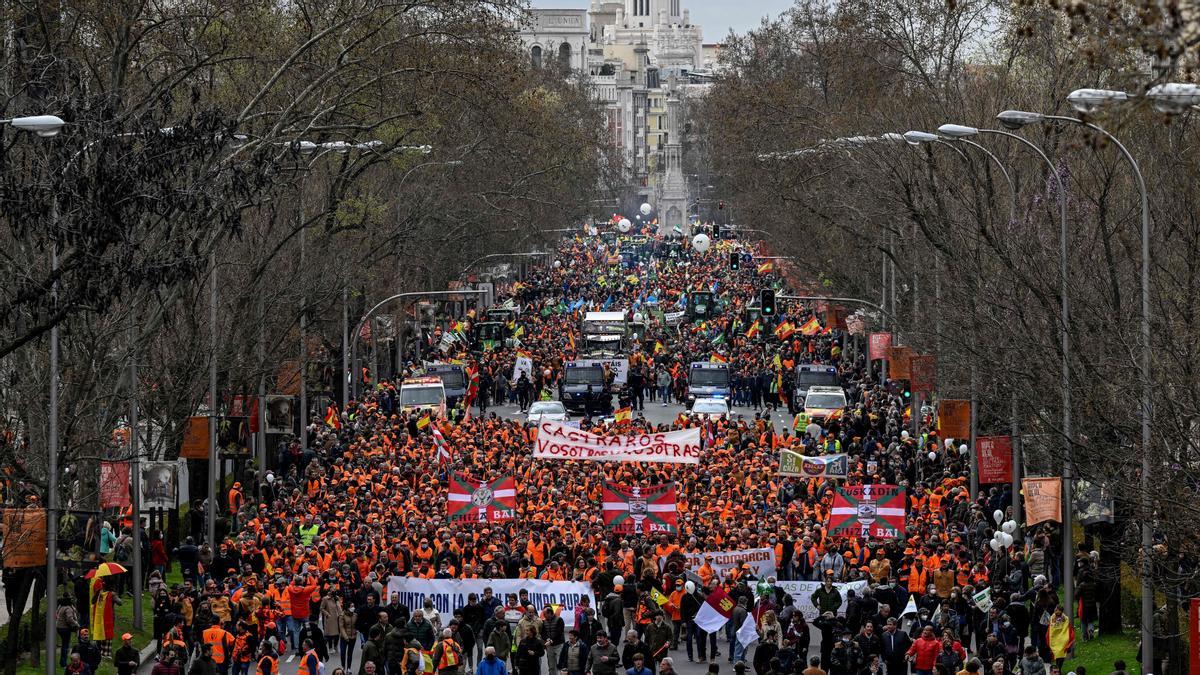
x=638, y=55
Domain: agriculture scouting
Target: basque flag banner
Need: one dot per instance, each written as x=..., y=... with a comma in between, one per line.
x=631, y=510
x=481, y=501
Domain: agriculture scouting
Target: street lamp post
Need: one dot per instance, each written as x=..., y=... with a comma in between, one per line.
x=48, y=126
x=399, y=296
x=915, y=137
x=958, y=131
x=1089, y=100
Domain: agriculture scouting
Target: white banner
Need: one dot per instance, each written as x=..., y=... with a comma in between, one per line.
x=451, y=594
x=619, y=367
x=524, y=364
x=555, y=441
x=761, y=561
x=801, y=592
x=673, y=318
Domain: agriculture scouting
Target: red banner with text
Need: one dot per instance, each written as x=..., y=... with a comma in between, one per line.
x=994, y=457
x=877, y=346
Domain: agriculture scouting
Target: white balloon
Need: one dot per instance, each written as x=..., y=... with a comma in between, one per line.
x=949, y=443
x=701, y=242
x=998, y=516
x=637, y=316
x=1006, y=539
x=904, y=434
x=962, y=449
x=994, y=544
x=1009, y=526
x=646, y=209
x=932, y=456
x=624, y=225
x=618, y=580
x=690, y=587
x=557, y=264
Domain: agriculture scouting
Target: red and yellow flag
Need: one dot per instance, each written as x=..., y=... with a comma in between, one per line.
x=810, y=327
x=717, y=358
x=332, y=418
x=658, y=348
x=623, y=415
x=754, y=329
x=767, y=267
x=784, y=330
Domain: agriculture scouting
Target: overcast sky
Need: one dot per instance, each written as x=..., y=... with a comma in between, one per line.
x=716, y=17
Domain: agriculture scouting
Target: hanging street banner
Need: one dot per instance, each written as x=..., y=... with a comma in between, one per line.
x=1093, y=504
x=760, y=560
x=877, y=346
x=900, y=363
x=954, y=418
x=451, y=594
x=1043, y=500
x=868, y=511
x=994, y=458
x=826, y=466
x=481, y=501
x=923, y=375
x=24, y=537
x=114, y=485
x=640, y=510
x=558, y=441
x=801, y=592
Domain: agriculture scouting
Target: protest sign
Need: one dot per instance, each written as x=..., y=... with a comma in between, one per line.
x=761, y=561
x=556, y=441
x=451, y=594
x=619, y=367
x=827, y=466
x=801, y=592
x=523, y=364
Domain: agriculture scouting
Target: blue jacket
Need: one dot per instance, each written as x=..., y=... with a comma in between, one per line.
x=491, y=666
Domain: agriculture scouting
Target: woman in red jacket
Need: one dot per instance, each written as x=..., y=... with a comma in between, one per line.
x=923, y=652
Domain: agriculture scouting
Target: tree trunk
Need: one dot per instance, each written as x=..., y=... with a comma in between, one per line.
x=18, y=588
x=1110, y=575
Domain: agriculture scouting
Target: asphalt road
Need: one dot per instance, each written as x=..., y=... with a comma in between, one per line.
x=656, y=413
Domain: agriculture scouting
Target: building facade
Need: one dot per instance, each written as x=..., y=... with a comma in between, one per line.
x=634, y=52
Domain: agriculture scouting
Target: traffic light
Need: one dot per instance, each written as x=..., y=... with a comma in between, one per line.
x=716, y=230
x=766, y=302
x=735, y=260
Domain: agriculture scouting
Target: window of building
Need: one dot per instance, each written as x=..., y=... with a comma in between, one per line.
x=564, y=55
x=536, y=55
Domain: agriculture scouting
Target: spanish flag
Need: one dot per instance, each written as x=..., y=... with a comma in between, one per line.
x=423, y=423
x=658, y=348
x=767, y=267
x=571, y=341
x=717, y=358
x=811, y=327
x=332, y=418
x=754, y=329
x=784, y=330
x=623, y=415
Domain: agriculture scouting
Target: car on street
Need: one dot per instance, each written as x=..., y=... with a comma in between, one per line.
x=824, y=403
x=710, y=408
x=547, y=411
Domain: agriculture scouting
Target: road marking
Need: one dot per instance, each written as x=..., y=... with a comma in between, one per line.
x=290, y=658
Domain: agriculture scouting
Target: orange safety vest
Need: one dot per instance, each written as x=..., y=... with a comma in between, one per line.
x=449, y=655
x=303, y=669
x=271, y=665
x=217, y=637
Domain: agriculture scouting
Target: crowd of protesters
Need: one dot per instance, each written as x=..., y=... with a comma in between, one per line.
x=308, y=547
